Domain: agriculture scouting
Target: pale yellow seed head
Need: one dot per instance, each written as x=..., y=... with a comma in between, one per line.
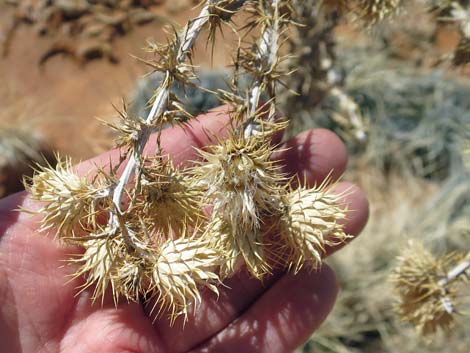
x=240, y=180
x=70, y=202
x=181, y=268
x=309, y=223
x=423, y=300
x=169, y=198
x=239, y=246
x=98, y=263
x=244, y=186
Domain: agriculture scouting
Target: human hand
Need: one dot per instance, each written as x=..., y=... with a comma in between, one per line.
x=42, y=311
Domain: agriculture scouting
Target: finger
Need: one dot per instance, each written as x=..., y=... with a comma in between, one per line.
x=109, y=329
x=357, y=206
x=282, y=318
x=178, y=141
x=214, y=312
x=313, y=155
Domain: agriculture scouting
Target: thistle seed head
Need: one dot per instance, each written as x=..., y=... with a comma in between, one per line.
x=238, y=245
x=309, y=223
x=108, y=264
x=181, y=268
x=128, y=129
x=129, y=278
x=169, y=198
x=241, y=180
x=423, y=300
x=97, y=264
x=70, y=202
x=167, y=60
x=244, y=185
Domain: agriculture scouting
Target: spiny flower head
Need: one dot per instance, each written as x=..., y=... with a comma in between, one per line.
x=97, y=264
x=243, y=184
x=70, y=202
x=180, y=269
x=269, y=71
x=108, y=263
x=168, y=198
x=239, y=245
x=425, y=301
x=310, y=221
x=167, y=60
x=240, y=179
x=129, y=277
x=128, y=129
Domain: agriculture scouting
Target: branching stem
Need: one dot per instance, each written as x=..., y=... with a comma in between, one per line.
x=187, y=39
x=267, y=54
x=455, y=273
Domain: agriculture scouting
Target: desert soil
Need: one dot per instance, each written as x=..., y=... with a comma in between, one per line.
x=63, y=99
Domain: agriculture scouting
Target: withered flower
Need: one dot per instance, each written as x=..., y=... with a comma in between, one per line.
x=239, y=246
x=181, y=268
x=426, y=299
x=310, y=222
x=70, y=202
x=169, y=198
x=243, y=185
x=98, y=262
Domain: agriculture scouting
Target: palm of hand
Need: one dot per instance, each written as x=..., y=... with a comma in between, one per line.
x=40, y=310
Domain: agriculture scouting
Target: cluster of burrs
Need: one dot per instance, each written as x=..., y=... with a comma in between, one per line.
x=156, y=232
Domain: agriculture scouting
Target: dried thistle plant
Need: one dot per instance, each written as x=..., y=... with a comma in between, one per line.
x=310, y=222
x=70, y=203
x=144, y=232
x=428, y=288
x=243, y=185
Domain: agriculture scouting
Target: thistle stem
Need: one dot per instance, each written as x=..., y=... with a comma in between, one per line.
x=451, y=276
x=455, y=273
x=267, y=53
x=187, y=39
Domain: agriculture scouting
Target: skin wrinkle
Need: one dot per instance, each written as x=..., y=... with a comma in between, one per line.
x=20, y=312
x=321, y=287
x=25, y=247
x=67, y=320
x=35, y=327
x=113, y=324
x=238, y=314
x=12, y=324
